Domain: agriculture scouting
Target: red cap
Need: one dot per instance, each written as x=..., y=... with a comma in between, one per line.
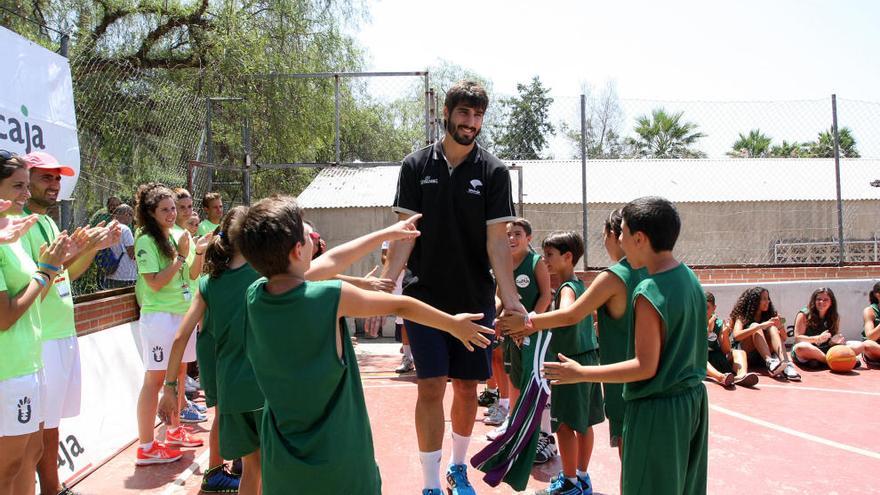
x=41, y=159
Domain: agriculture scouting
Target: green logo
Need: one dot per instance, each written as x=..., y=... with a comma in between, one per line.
x=24, y=110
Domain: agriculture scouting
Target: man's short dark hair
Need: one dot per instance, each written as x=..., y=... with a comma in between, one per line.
x=657, y=218
x=267, y=233
x=467, y=93
x=523, y=224
x=112, y=199
x=710, y=298
x=566, y=242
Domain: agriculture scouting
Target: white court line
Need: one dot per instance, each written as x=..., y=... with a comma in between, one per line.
x=820, y=389
x=799, y=434
x=199, y=462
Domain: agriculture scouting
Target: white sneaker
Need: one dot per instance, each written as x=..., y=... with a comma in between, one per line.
x=498, y=432
x=497, y=416
x=191, y=384
x=406, y=365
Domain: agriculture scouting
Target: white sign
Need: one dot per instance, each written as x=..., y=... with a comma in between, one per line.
x=36, y=104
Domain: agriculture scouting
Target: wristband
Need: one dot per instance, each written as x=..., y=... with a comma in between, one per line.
x=36, y=276
x=199, y=254
x=172, y=385
x=181, y=258
x=49, y=267
x=41, y=272
x=529, y=324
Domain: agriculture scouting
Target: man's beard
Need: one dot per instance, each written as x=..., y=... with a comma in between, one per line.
x=464, y=141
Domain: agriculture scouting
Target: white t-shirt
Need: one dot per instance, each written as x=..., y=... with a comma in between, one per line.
x=127, y=269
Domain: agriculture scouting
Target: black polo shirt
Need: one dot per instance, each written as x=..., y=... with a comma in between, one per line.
x=450, y=260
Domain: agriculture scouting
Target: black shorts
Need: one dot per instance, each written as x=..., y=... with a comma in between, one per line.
x=437, y=353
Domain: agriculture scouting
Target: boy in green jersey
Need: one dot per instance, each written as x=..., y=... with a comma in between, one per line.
x=666, y=421
x=299, y=348
x=726, y=365
x=213, y=206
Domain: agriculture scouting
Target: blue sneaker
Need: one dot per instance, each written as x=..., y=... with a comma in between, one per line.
x=456, y=478
x=217, y=480
x=586, y=484
x=432, y=491
x=190, y=415
x=560, y=485
x=198, y=407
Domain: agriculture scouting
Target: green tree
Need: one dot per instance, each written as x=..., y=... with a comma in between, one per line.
x=604, y=119
x=755, y=144
x=787, y=150
x=823, y=146
x=664, y=135
x=523, y=136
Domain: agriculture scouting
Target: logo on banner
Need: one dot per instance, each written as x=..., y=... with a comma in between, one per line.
x=158, y=354
x=69, y=451
x=24, y=410
x=19, y=130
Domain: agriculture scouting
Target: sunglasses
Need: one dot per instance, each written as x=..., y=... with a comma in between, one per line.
x=5, y=156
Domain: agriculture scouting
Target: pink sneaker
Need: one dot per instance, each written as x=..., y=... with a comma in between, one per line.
x=159, y=453
x=181, y=438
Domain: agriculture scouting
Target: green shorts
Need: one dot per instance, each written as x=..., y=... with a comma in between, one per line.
x=240, y=433
x=666, y=444
x=513, y=362
x=578, y=405
x=206, y=354
x=720, y=362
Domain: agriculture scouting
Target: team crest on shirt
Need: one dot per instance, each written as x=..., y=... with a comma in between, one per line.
x=141, y=253
x=24, y=410
x=523, y=281
x=476, y=184
x=158, y=354
x=429, y=180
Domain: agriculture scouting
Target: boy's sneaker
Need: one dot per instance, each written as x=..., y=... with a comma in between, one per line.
x=498, y=432
x=496, y=416
x=456, y=478
x=791, y=373
x=191, y=384
x=747, y=380
x=585, y=484
x=159, y=453
x=487, y=397
x=560, y=485
x=406, y=365
x=198, y=407
x=190, y=415
x=181, y=438
x=217, y=480
x=546, y=448
x=774, y=366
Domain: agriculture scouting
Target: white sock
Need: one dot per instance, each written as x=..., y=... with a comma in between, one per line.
x=407, y=352
x=459, y=448
x=545, y=420
x=147, y=446
x=574, y=481
x=431, y=469
x=581, y=474
x=492, y=390
x=505, y=403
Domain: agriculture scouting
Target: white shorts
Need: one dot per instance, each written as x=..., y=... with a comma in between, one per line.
x=61, y=368
x=21, y=404
x=157, y=336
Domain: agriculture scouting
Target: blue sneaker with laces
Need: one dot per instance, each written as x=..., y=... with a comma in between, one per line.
x=456, y=478
x=586, y=484
x=560, y=485
x=190, y=415
x=432, y=491
x=198, y=407
x=217, y=480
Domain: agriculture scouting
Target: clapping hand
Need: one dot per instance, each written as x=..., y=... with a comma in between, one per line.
x=11, y=229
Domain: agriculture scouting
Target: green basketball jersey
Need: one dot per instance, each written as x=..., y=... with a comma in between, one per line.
x=680, y=301
x=876, y=309
x=714, y=340
x=615, y=335
x=237, y=389
x=526, y=284
x=574, y=339
x=316, y=435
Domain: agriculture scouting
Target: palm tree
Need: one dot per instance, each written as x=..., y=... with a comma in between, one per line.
x=823, y=147
x=753, y=145
x=664, y=135
x=793, y=149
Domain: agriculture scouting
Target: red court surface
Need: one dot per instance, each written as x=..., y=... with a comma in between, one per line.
x=818, y=436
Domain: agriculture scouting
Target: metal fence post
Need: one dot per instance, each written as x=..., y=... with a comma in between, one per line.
x=336, y=98
x=246, y=173
x=841, y=260
x=66, y=205
x=209, y=133
x=584, y=173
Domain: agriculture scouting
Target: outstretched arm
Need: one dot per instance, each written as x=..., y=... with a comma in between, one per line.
x=168, y=401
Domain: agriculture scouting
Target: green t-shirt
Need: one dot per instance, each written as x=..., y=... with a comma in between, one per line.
x=615, y=335
x=206, y=227
x=876, y=309
x=316, y=433
x=679, y=299
x=175, y=296
x=176, y=232
x=56, y=310
x=714, y=338
x=237, y=389
x=574, y=339
x=22, y=342
x=526, y=284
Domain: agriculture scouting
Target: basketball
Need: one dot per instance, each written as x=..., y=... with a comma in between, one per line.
x=841, y=359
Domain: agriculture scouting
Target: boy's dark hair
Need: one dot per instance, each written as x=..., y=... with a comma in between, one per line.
x=872, y=296
x=468, y=93
x=208, y=198
x=657, y=218
x=524, y=224
x=710, y=298
x=748, y=304
x=612, y=223
x=267, y=233
x=221, y=249
x=566, y=242
x=181, y=193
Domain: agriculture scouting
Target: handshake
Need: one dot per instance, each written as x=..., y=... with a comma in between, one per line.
x=515, y=324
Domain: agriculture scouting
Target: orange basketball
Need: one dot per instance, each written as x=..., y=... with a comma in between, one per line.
x=841, y=359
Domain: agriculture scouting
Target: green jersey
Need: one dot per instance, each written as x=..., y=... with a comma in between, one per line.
x=174, y=297
x=316, y=435
x=714, y=338
x=237, y=389
x=21, y=343
x=526, y=284
x=56, y=310
x=206, y=227
x=680, y=301
x=574, y=339
x=876, y=309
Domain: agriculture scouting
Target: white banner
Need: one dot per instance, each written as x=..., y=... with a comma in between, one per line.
x=36, y=104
